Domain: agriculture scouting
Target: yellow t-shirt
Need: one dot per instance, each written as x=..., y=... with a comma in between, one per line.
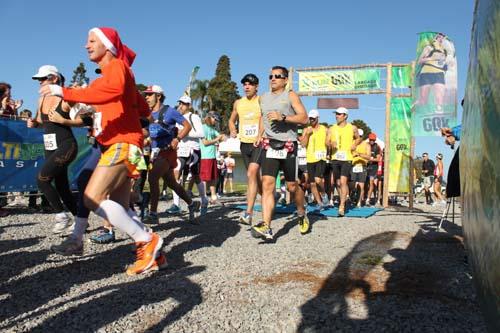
x=344, y=136
x=248, y=118
x=316, y=146
x=361, y=149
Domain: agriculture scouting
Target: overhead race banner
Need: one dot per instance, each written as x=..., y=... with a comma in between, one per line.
x=22, y=154
x=400, y=139
x=341, y=80
x=435, y=88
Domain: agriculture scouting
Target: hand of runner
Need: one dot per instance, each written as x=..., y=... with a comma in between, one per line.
x=234, y=134
x=30, y=123
x=55, y=117
x=51, y=90
x=333, y=144
x=274, y=115
x=174, y=143
x=257, y=141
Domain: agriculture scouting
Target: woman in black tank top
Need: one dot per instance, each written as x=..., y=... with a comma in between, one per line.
x=60, y=150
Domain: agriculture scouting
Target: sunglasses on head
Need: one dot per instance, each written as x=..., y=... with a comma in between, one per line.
x=277, y=76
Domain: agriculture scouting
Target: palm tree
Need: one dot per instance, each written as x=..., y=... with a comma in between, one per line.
x=199, y=94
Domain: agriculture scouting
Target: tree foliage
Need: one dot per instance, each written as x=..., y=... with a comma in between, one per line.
x=79, y=76
x=141, y=87
x=199, y=94
x=223, y=92
x=361, y=124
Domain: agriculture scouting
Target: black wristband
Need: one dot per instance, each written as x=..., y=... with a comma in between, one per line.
x=283, y=117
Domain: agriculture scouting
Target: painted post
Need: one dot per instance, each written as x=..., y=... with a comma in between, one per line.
x=388, y=92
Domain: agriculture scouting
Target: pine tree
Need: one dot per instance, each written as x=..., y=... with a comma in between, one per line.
x=361, y=124
x=223, y=92
x=79, y=78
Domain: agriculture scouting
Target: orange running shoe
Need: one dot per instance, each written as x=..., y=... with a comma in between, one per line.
x=160, y=263
x=145, y=255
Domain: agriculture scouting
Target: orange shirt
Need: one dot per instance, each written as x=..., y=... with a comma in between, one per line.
x=115, y=96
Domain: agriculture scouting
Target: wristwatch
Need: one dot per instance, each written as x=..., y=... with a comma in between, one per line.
x=283, y=117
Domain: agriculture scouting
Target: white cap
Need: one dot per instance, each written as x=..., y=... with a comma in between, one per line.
x=313, y=113
x=361, y=132
x=342, y=110
x=154, y=89
x=45, y=71
x=185, y=99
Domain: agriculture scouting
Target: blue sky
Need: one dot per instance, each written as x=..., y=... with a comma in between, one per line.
x=170, y=38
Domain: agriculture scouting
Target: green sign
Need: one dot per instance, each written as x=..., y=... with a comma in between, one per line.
x=400, y=141
x=341, y=80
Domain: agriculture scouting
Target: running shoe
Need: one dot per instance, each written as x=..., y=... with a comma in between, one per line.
x=68, y=247
x=193, y=208
x=174, y=209
x=104, y=236
x=159, y=263
x=341, y=211
x=151, y=218
x=262, y=230
x=63, y=221
x=245, y=218
x=304, y=225
x=145, y=255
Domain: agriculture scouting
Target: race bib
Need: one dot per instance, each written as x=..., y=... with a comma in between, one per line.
x=320, y=155
x=250, y=131
x=357, y=168
x=49, y=141
x=183, y=151
x=276, y=154
x=97, y=127
x=154, y=153
x=301, y=152
x=341, y=155
x=302, y=161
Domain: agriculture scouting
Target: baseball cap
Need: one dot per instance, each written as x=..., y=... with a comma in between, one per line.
x=372, y=136
x=214, y=115
x=313, y=114
x=342, y=110
x=185, y=99
x=45, y=71
x=440, y=156
x=154, y=89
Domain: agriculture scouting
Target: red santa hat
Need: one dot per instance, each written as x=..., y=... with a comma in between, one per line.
x=110, y=38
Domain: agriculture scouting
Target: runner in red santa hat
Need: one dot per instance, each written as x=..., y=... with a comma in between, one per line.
x=117, y=129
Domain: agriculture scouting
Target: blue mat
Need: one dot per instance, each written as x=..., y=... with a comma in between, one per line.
x=330, y=212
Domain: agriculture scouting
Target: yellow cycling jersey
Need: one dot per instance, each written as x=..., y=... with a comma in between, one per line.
x=316, y=146
x=248, y=119
x=344, y=137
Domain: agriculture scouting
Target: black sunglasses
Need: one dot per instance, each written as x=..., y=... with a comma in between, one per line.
x=277, y=76
x=42, y=78
x=339, y=114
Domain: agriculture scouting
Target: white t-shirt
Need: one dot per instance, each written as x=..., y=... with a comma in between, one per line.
x=192, y=140
x=230, y=163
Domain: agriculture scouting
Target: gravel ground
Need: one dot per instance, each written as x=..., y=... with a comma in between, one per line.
x=391, y=272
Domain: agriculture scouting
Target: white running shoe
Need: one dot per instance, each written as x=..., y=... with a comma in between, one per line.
x=63, y=222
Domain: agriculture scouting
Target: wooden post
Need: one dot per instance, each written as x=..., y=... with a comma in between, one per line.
x=388, y=92
x=290, y=79
x=412, y=148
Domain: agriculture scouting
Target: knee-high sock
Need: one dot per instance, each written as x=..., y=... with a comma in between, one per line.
x=137, y=220
x=118, y=217
x=176, y=199
x=202, y=191
x=81, y=224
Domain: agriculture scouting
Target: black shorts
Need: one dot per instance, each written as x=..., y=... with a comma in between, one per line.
x=229, y=175
x=316, y=170
x=359, y=177
x=190, y=164
x=271, y=166
x=341, y=168
x=430, y=78
x=371, y=170
x=250, y=154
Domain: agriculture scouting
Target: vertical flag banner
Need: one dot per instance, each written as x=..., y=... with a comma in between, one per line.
x=400, y=138
x=401, y=77
x=187, y=92
x=435, y=88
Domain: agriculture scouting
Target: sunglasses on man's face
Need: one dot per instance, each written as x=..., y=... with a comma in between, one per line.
x=277, y=76
x=339, y=114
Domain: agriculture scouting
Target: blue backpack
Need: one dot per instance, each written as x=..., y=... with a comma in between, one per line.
x=161, y=133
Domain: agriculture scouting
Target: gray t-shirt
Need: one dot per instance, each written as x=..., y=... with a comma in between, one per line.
x=277, y=129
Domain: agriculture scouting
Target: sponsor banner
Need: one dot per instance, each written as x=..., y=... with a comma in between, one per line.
x=400, y=139
x=341, y=80
x=435, y=88
x=401, y=77
x=22, y=155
